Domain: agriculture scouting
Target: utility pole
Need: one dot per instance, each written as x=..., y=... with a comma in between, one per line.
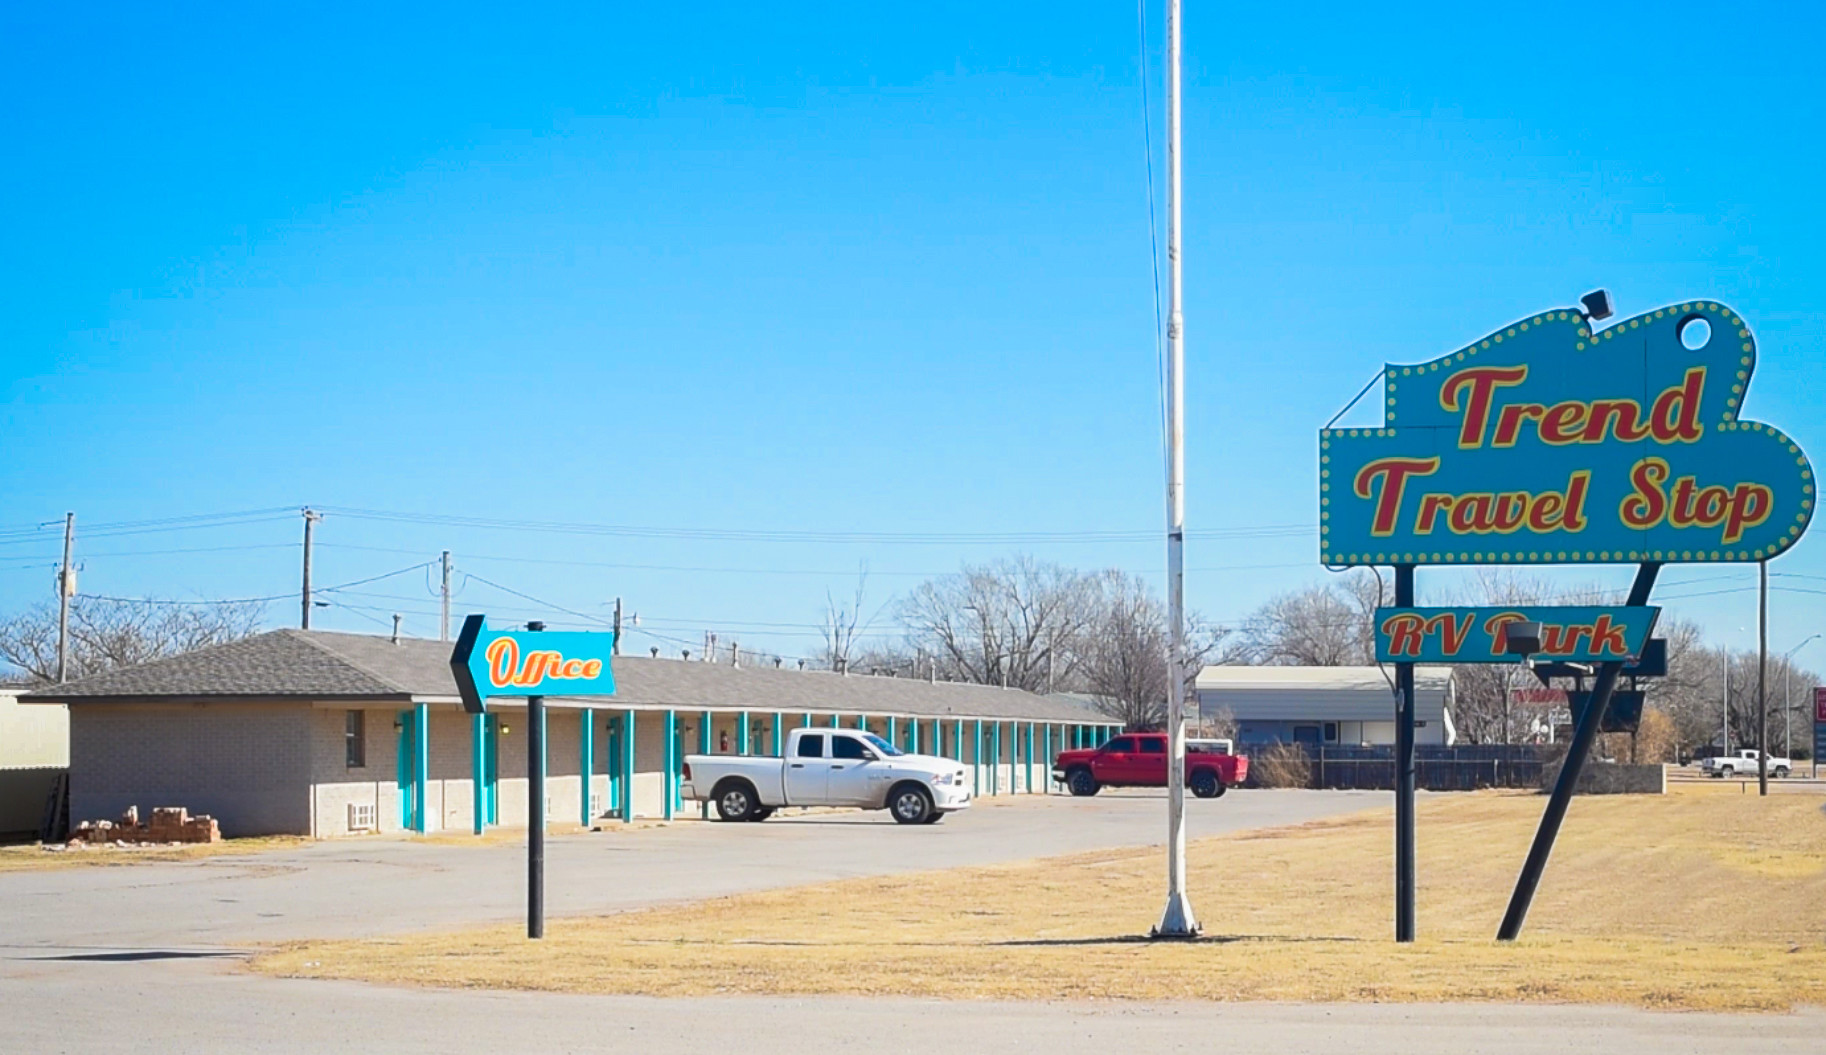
x=66, y=589
x=311, y=517
x=1177, y=921
x=443, y=625
x=615, y=650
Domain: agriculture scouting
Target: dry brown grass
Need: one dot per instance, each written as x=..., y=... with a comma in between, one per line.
x=35, y=858
x=1695, y=900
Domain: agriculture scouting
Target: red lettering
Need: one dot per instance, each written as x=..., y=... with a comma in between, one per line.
x=1482, y=382
x=1675, y=416
x=1392, y=474
x=1750, y=507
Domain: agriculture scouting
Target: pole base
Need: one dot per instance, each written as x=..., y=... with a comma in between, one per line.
x=1177, y=922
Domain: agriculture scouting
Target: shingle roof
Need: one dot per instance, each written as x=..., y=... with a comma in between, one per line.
x=1354, y=679
x=316, y=664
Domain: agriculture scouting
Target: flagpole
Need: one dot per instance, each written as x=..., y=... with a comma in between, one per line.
x=1177, y=921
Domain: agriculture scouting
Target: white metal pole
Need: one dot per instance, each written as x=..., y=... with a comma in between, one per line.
x=1178, y=920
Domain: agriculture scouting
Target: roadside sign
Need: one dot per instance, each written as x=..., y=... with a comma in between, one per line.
x=1552, y=442
x=1819, y=726
x=1478, y=635
x=530, y=663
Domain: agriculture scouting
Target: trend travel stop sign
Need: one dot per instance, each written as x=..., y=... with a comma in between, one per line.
x=1548, y=443
x=530, y=663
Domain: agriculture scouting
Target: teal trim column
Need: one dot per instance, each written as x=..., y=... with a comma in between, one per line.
x=893, y=730
x=976, y=761
x=1046, y=761
x=628, y=757
x=957, y=741
x=1030, y=758
x=836, y=721
x=421, y=758
x=741, y=733
x=586, y=761
x=478, y=766
x=807, y=723
x=670, y=797
x=913, y=735
x=779, y=734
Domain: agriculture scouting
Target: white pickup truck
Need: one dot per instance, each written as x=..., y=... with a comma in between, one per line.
x=1744, y=762
x=829, y=767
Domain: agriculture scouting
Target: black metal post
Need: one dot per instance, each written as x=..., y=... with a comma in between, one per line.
x=535, y=820
x=1568, y=781
x=1404, y=773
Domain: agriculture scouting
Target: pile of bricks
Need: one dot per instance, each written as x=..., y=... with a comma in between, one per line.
x=169, y=824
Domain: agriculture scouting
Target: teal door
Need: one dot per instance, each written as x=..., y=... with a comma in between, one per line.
x=407, y=770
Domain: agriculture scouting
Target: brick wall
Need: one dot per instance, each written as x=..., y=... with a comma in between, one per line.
x=246, y=765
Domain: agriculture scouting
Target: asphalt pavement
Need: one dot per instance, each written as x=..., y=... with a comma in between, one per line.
x=146, y=957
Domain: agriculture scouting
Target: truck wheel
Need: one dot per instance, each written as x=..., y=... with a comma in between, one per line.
x=1780, y=772
x=736, y=801
x=1080, y=782
x=761, y=814
x=911, y=804
x=937, y=815
x=1206, y=785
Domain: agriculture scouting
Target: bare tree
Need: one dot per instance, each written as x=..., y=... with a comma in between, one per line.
x=1331, y=625
x=105, y=634
x=1017, y=622
x=840, y=625
x=1124, y=666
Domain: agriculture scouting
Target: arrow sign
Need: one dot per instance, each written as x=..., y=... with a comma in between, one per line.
x=530, y=663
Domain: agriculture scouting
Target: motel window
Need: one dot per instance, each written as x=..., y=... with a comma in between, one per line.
x=355, y=739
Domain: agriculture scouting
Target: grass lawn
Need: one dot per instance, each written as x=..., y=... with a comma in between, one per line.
x=1703, y=899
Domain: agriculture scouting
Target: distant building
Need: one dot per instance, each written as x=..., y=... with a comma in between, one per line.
x=324, y=734
x=1347, y=706
x=34, y=753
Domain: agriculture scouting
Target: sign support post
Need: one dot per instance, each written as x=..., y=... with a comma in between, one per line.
x=535, y=818
x=1404, y=774
x=1568, y=782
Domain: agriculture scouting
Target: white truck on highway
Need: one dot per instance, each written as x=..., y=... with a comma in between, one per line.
x=1744, y=762
x=829, y=767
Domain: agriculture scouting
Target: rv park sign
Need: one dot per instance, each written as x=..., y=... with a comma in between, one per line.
x=1547, y=442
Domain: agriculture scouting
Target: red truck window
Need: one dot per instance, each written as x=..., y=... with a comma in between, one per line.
x=1153, y=745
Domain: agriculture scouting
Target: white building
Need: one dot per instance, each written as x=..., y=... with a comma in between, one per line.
x=1348, y=706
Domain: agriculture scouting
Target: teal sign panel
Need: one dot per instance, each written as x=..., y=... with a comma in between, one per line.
x=1548, y=443
x=530, y=663
x=1479, y=635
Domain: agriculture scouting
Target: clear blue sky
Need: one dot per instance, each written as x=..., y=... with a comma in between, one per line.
x=846, y=268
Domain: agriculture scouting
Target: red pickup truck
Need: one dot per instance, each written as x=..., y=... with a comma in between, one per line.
x=1139, y=760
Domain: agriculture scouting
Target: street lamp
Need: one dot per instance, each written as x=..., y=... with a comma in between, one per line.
x=1788, y=696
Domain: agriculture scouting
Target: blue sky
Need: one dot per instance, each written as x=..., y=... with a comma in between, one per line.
x=839, y=268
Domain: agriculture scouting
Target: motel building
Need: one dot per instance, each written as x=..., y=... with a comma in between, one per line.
x=1324, y=706
x=326, y=734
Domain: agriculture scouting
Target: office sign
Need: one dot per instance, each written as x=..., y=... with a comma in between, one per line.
x=1479, y=635
x=1548, y=443
x=529, y=663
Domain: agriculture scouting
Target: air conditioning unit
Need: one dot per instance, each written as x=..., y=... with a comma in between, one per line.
x=361, y=817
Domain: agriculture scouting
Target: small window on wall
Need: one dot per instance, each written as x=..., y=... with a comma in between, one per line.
x=1331, y=732
x=355, y=738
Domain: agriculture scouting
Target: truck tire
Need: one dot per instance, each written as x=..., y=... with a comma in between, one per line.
x=1205, y=784
x=911, y=804
x=1780, y=772
x=1080, y=783
x=1726, y=771
x=761, y=814
x=736, y=800
x=937, y=815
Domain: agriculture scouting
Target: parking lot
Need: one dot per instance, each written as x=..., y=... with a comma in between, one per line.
x=93, y=955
